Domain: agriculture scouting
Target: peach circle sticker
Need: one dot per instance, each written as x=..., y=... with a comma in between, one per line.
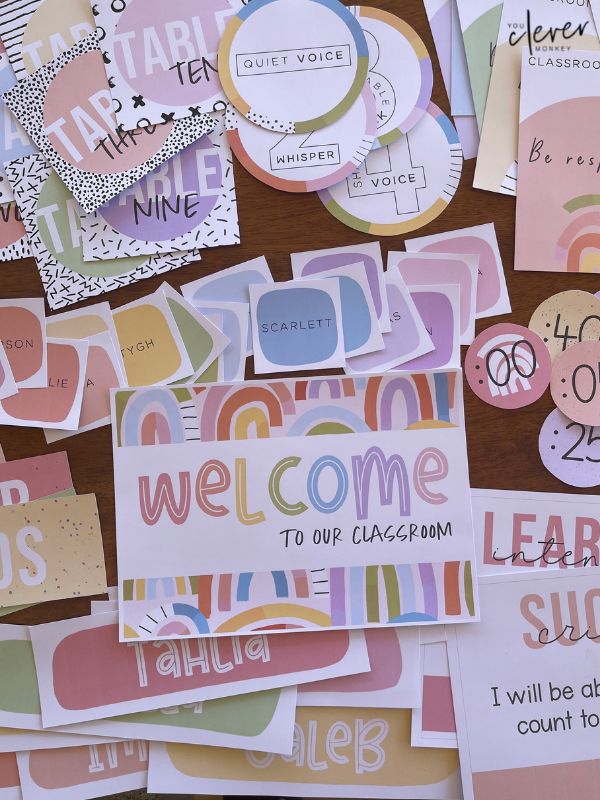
x=565, y=319
x=575, y=383
x=508, y=366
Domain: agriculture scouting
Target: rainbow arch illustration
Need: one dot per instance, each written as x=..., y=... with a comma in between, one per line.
x=578, y=247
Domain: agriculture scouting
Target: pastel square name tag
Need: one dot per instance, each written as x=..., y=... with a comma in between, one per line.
x=23, y=336
x=233, y=320
x=58, y=404
x=297, y=325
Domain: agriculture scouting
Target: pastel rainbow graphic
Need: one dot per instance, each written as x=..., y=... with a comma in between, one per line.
x=578, y=247
x=336, y=597
x=303, y=407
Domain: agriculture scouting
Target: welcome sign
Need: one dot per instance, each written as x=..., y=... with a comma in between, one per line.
x=303, y=503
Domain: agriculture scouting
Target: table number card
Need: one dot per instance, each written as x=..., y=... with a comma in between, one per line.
x=396, y=546
x=557, y=228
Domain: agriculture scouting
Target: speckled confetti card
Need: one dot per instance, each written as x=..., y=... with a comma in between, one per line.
x=50, y=549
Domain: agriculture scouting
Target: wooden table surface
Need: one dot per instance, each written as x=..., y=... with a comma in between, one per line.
x=502, y=445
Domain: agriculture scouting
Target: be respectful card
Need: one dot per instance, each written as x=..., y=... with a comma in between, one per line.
x=478, y=240
x=523, y=531
x=85, y=772
x=362, y=753
x=120, y=680
x=14, y=141
x=229, y=285
x=52, y=219
x=533, y=28
x=66, y=109
x=233, y=320
x=432, y=723
x=392, y=682
x=360, y=325
x=422, y=269
x=395, y=550
x=161, y=59
x=408, y=338
x=151, y=345
x=556, y=227
x=530, y=670
x=439, y=308
x=58, y=404
x=202, y=339
x=33, y=478
x=479, y=23
x=187, y=203
x=23, y=337
x=313, y=263
x=297, y=325
x=52, y=549
x=258, y=720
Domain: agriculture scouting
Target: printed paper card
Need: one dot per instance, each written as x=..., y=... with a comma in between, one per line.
x=395, y=549
x=81, y=773
x=532, y=27
x=151, y=345
x=52, y=219
x=58, y=405
x=233, y=320
x=161, y=59
x=393, y=681
x=529, y=669
x=461, y=97
x=33, y=478
x=13, y=740
x=189, y=202
x=596, y=12
x=230, y=285
x=52, y=549
x=439, y=308
x=293, y=66
x=337, y=751
x=556, y=228
x=408, y=338
x=23, y=336
x=66, y=108
x=362, y=333
x=478, y=240
x=8, y=385
x=14, y=243
x=113, y=679
x=36, y=31
x=203, y=341
x=439, y=14
x=261, y=720
x=19, y=697
x=523, y=531
x=422, y=269
x=433, y=722
x=479, y=22
x=10, y=787
x=14, y=141
x=315, y=262
x=297, y=325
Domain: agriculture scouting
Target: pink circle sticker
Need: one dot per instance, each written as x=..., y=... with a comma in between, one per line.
x=575, y=383
x=570, y=450
x=508, y=366
x=80, y=124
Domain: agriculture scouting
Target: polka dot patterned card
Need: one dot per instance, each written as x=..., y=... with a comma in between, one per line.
x=67, y=110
